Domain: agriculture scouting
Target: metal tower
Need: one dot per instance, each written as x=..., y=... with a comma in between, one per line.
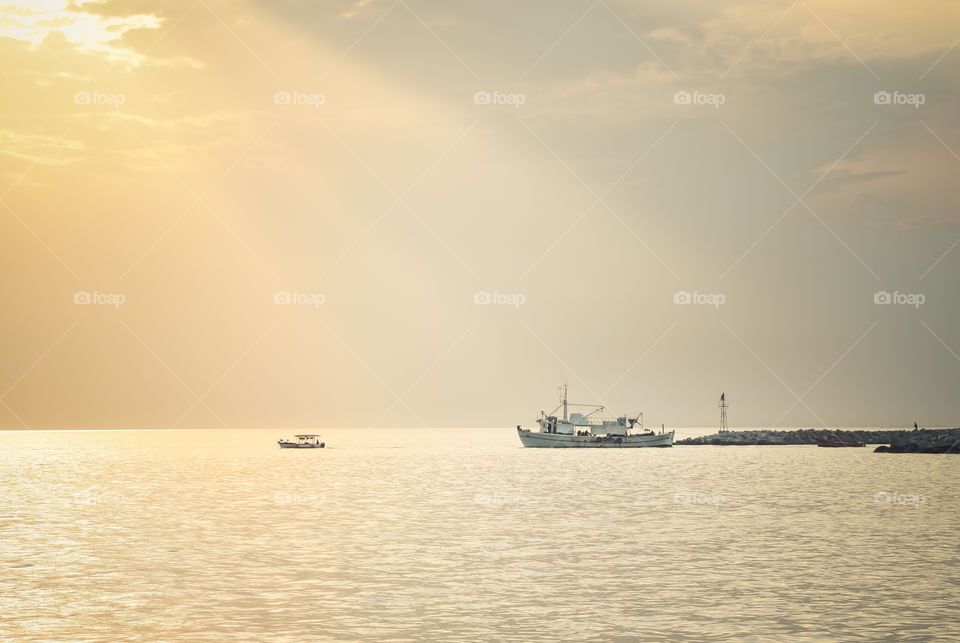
x=723, y=412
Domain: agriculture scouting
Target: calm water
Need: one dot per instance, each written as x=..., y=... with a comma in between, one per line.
x=454, y=535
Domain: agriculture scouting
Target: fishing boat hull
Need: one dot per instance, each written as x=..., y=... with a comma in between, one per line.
x=294, y=445
x=539, y=439
x=834, y=444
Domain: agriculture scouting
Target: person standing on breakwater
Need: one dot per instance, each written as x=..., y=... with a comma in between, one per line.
x=914, y=426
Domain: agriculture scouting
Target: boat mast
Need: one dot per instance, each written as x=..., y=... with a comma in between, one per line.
x=564, y=401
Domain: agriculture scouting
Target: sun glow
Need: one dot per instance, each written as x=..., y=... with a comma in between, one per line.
x=33, y=20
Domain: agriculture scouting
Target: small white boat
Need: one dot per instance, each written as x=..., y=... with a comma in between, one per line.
x=304, y=441
x=590, y=430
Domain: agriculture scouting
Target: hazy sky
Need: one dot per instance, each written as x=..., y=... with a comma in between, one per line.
x=183, y=165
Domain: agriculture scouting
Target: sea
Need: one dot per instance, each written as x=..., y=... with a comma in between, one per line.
x=463, y=535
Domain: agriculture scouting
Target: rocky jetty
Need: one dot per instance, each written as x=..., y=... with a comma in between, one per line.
x=924, y=441
x=906, y=439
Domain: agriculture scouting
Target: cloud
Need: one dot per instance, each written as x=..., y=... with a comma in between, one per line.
x=765, y=33
x=843, y=177
x=89, y=33
x=353, y=10
x=39, y=148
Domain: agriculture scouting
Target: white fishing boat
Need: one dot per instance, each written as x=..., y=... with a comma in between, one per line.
x=591, y=430
x=304, y=441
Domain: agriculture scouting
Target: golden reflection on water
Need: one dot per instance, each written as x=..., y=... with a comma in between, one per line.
x=453, y=535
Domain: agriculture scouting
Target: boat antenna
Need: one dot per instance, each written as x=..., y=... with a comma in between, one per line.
x=564, y=401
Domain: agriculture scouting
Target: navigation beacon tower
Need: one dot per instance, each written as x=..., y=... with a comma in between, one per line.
x=723, y=412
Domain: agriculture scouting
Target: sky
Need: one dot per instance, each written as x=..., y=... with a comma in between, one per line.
x=406, y=213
